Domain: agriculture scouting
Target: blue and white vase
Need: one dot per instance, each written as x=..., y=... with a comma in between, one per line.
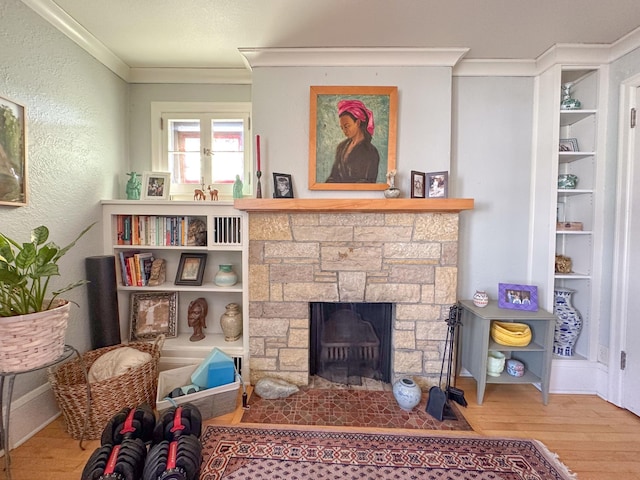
x=407, y=393
x=568, y=323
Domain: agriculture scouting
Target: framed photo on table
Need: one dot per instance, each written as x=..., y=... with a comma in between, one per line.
x=153, y=314
x=518, y=297
x=352, y=137
x=156, y=185
x=191, y=269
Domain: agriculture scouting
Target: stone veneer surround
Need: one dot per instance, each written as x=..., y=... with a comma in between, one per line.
x=409, y=259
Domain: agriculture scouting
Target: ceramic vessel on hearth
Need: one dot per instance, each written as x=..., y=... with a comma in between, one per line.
x=407, y=393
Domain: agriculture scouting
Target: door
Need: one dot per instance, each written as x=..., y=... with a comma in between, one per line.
x=626, y=293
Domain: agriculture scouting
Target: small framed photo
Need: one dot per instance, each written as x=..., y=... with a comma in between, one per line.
x=568, y=145
x=153, y=314
x=417, y=184
x=191, y=269
x=437, y=184
x=156, y=185
x=282, y=186
x=518, y=297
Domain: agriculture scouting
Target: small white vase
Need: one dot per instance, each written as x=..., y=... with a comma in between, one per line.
x=226, y=277
x=407, y=393
x=495, y=363
x=480, y=299
x=231, y=322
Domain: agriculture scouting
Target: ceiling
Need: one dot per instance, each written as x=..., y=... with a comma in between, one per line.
x=208, y=33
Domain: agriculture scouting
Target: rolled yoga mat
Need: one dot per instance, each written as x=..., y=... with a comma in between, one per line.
x=103, y=301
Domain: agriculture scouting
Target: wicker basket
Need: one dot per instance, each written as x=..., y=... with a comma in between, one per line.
x=33, y=340
x=108, y=397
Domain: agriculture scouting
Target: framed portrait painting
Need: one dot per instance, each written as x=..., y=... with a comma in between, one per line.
x=156, y=185
x=13, y=154
x=153, y=314
x=352, y=137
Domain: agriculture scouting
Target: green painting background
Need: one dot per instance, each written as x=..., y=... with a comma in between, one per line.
x=329, y=135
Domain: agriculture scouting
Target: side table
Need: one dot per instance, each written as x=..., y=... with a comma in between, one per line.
x=11, y=376
x=476, y=343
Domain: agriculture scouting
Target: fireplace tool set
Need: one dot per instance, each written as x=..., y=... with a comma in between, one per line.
x=438, y=403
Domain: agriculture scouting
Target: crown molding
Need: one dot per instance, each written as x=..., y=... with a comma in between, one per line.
x=352, y=57
x=495, y=68
x=626, y=44
x=573, y=54
x=219, y=76
x=57, y=17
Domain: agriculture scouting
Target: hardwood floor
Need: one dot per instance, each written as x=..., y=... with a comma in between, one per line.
x=595, y=439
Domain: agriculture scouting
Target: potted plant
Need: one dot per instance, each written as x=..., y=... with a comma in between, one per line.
x=33, y=319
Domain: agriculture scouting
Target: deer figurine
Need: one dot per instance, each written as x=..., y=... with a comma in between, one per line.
x=198, y=194
x=213, y=192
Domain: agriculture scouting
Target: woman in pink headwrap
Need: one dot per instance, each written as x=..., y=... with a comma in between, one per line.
x=357, y=159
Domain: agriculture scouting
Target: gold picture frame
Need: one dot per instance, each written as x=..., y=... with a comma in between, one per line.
x=13, y=153
x=153, y=314
x=328, y=148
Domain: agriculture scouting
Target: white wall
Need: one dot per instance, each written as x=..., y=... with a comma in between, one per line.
x=491, y=162
x=281, y=118
x=77, y=134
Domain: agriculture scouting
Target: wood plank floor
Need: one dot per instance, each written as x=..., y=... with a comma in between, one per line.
x=595, y=439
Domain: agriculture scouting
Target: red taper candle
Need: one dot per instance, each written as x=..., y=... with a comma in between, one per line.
x=258, y=154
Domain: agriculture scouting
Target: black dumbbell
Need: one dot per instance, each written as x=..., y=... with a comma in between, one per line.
x=162, y=464
x=178, y=421
x=123, y=462
x=129, y=423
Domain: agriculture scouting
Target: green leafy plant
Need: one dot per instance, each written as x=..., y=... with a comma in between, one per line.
x=25, y=272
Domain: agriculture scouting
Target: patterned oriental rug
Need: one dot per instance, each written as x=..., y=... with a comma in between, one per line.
x=234, y=453
x=347, y=408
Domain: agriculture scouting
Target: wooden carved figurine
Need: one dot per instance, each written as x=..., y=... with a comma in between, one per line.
x=197, y=318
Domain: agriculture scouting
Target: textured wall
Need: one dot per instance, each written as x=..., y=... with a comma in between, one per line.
x=76, y=145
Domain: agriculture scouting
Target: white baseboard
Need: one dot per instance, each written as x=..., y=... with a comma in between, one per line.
x=574, y=377
x=30, y=414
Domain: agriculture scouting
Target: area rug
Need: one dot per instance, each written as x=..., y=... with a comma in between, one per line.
x=346, y=408
x=231, y=453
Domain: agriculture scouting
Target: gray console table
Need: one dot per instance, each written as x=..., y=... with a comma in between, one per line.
x=475, y=343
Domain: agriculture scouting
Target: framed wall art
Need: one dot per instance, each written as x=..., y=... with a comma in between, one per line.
x=191, y=269
x=437, y=185
x=518, y=297
x=352, y=137
x=153, y=314
x=282, y=186
x=417, y=184
x=156, y=185
x=13, y=153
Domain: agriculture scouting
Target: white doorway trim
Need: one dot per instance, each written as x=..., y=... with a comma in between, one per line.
x=624, y=195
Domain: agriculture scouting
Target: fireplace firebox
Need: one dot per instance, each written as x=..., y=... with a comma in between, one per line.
x=350, y=341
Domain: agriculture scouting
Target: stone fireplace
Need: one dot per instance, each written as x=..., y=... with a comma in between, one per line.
x=364, y=254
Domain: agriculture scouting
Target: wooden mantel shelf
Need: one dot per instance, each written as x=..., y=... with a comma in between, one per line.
x=354, y=205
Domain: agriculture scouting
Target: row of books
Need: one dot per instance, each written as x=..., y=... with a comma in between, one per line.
x=159, y=230
x=135, y=268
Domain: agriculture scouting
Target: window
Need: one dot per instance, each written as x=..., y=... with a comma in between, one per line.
x=204, y=144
